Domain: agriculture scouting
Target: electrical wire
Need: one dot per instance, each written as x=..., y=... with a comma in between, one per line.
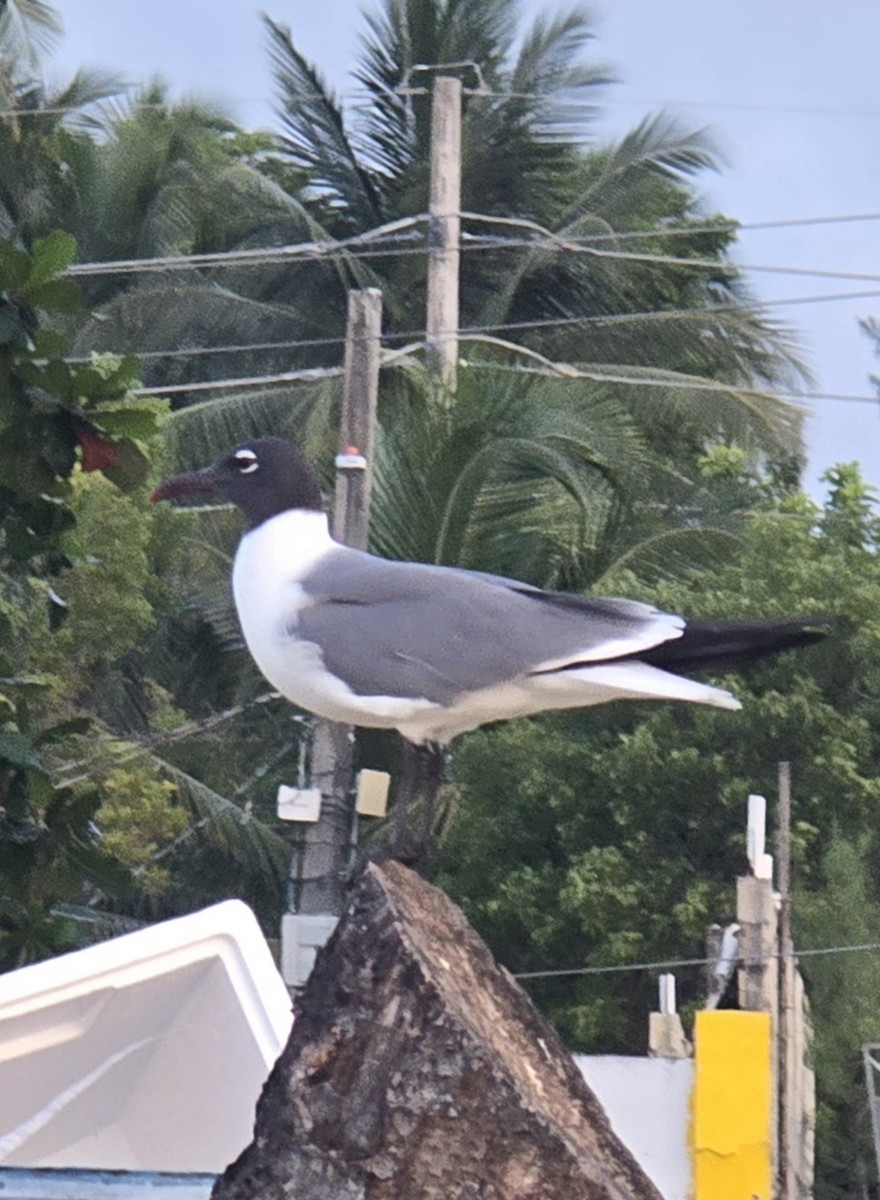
x=137, y=746
x=261, y=256
x=352, y=250
x=383, y=241
x=680, y=383
x=668, y=964
x=202, y=822
x=562, y=101
x=310, y=375
x=549, y=240
x=659, y=315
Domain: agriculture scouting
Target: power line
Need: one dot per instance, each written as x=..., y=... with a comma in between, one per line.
x=559, y=370
x=668, y=964
x=804, y=110
x=202, y=822
x=88, y=111
x=383, y=241
x=685, y=383
x=567, y=102
x=549, y=240
x=734, y=227
x=659, y=315
x=135, y=747
x=311, y=375
x=329, y=247
x=605, y=103
x=359, y=249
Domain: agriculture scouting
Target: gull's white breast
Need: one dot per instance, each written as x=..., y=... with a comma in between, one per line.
x=270, y=564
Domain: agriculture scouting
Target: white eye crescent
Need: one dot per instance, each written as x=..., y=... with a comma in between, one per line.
x=247, y=461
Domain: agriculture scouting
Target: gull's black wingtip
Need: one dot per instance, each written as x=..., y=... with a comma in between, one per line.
x=724, y=644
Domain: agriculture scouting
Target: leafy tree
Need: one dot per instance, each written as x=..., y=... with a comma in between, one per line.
x=843, y=990
x=528, y=154
x=181, y=179
x=614, y=836
x=52, y=417
x=42, y=136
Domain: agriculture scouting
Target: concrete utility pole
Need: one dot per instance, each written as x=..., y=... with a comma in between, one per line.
x=327, y=841
x=770, y=982
x=444, y=231
x=786, y=985
x=795, y=1083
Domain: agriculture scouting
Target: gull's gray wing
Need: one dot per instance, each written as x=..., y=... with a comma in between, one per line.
x=413, y=630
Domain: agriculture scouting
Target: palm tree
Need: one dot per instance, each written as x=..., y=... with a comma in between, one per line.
x=529, y=153
x=42, y=131
x=27, y=27
x=181, y=179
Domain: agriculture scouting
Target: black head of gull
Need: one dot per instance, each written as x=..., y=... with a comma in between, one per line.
x=263, y=477
x=435, y=651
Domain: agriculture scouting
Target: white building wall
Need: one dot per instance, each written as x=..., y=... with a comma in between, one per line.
x=648, y=1103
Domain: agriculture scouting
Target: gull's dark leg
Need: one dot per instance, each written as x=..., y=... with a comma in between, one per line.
x=416, y=801
x=433, y=762
x=405, y=797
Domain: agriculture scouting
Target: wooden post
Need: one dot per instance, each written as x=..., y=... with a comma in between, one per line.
x=360, y=394
x=327, y=847
x=444, y=226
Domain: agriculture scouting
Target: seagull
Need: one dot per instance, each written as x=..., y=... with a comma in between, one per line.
x=436, y=651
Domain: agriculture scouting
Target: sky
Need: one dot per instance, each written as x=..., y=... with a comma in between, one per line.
x=787, y=88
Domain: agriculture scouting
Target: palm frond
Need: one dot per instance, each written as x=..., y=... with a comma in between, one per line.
x=315, y=137
x=462, y=483
x=669, y=554
x=549, y=71
x=170, y=313
x=202, y=431
x=250, y=843
x=88, y=87
x=707, y=409
x=658, y=146
x=28, y=28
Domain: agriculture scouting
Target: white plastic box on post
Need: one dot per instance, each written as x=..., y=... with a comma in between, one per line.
x=298, y=804
x=302, y=936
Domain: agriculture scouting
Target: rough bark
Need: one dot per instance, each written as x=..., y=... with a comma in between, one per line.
x=419, y=1070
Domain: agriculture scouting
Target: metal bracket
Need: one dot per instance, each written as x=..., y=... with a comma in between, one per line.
x=480, y=88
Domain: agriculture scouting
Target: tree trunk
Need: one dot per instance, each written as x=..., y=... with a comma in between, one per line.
x=419, y=1070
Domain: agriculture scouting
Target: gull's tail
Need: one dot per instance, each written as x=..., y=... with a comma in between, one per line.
x=724, y=644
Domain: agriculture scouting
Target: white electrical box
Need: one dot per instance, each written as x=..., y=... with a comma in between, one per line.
x=302, y=937
x=299, y=804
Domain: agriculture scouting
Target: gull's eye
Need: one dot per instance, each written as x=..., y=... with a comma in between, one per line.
x=245, y=461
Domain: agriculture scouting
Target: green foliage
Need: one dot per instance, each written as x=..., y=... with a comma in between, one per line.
x=138, y=817
x=614, y=836
x=843, y=990
x=107, y=585
x=54, y=418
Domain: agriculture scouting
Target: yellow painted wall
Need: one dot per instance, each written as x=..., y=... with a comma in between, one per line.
x=732, y=1131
